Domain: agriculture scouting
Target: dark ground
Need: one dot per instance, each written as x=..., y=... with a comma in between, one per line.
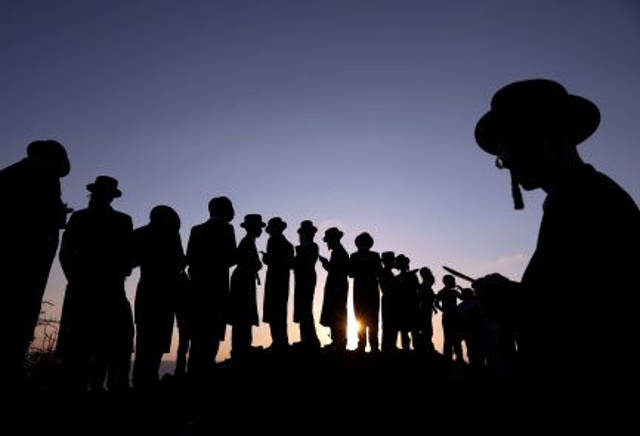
x=295, y=393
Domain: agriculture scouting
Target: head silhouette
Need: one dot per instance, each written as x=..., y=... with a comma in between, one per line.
x=402, y=263
x=103, y=191
x=468, y=294
x=533, y=128
x=332, y=237
x=449, y=281
x=427, y=276
x=49, y=155
x=364, y=241
x=276, y=226
x=253, y=224
x=307, y=231
x=164, y=218
x=388, y=259
x=221, y=208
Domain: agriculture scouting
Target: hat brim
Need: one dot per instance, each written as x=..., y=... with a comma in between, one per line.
x=91, y=187
x=245, y=225
x=307, y=230
x=275, y=227
x=583, y=119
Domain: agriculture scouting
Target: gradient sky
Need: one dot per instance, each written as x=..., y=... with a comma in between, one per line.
x=352, y=113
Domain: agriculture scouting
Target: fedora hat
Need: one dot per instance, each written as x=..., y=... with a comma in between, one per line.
x=534, y=105
x=276, y=225
x=332, y=233
x=105, y=185
x=252, y=220
x=307, y=227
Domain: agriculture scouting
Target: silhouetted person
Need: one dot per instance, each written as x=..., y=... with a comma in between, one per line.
x=389, y=302
x=157, y=250
x=96, y=329
x=590, y=228
x=304, y=271
x=365, y=268
x=244, y=307
x=278, y=258
x=426, y=307
x=406, y=288
x=32, y=216
x=447, y=301
x=336, y=289
x=211, y=251
x=473, y=328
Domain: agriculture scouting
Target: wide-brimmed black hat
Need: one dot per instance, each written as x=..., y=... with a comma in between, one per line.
x=364, y=240
x=332, y=233
x=533, y=105
x=252, y=220
x=276, y=224
x=105, y=185
x=307, y=227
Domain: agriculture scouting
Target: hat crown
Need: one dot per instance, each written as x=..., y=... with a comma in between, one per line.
x=307, y=226
x=105, y=185
x=529, y=94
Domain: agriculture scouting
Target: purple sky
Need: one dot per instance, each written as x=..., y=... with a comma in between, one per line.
x=351, y=113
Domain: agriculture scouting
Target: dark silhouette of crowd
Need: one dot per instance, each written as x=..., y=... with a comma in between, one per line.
x=537, y=326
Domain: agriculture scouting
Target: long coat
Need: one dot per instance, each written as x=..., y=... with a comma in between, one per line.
x=31, y=218
x=578, y=302
x=161, y=259
x=336, y=289
x=389, y=299
x=244, y=306
x=96, y=258
x=406, y=288
x=279, y=259
x=365, y=268
x=211, y=251
x=304, y=270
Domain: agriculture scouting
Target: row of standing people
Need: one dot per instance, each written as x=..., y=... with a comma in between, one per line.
x=100, y=248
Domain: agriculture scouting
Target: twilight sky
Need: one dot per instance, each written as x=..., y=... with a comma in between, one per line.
x=352, y=113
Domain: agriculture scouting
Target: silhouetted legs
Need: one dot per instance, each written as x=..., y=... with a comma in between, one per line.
x=184, y=340
x=452, y=341
x=241, y=338
x=308, y=334
x=202, y=355
x=279, y=335
x=339, y=335
x=368, y=324
x=146, y=367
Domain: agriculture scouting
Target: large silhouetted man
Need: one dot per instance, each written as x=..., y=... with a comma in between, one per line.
x=278, y=258
x=96, y=329
x=447, y=301
x=588, y=240
x=304, y=270
x=211, y=251
x=336, y=289
x=157, y=250
x=365, y=268
x=30, y=222
x=243, y=300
